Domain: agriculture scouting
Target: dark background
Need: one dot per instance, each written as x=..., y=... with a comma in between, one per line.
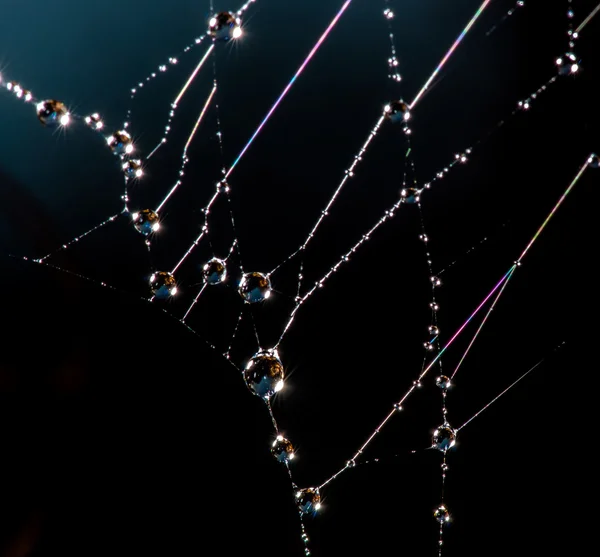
x=122, y=432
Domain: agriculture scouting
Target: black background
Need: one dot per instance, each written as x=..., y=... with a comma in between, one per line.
x=123, y=432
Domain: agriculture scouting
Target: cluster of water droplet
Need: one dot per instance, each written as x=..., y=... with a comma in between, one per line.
x=264, y=372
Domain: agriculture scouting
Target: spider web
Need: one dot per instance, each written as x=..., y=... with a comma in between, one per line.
x=325, y=372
